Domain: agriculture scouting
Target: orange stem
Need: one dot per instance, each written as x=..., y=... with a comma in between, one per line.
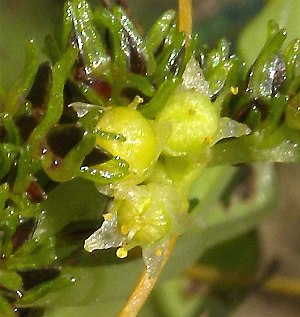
x=185, y=17
x=144, y=287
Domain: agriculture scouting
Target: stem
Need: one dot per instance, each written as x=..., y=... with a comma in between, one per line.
x=282, y=285
x=275, y=285
x=144, y=287
x=185, y=17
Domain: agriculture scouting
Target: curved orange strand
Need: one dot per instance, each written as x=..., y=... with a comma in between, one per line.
x=185, y=17
x=144, y=287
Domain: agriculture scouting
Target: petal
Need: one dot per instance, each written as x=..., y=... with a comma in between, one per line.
x=229, y=128
x=107, y=236
x=153, y=256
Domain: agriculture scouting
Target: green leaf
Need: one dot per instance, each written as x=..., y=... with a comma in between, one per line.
x=14, y=99
x=217, y=65
x=104, y=309
x=259, y=80
x=159, y=30
x=88, y=41
x=63, y=170
x=8, y=153
x=134, y=36
x=33, y=255
x=39, y=291
x=61, y=72
x=157, y=102
x=5, y=309
x=282, y=145
x=70, y=202
x=12, y=132
x=10, y=280
x=101, y=284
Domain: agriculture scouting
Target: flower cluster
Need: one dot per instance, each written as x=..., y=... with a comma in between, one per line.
x=165, y=155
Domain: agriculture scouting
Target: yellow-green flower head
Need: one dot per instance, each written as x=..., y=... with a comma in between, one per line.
x=164, y=157
x=145, y=216
x=139, y=147
x=190, y=114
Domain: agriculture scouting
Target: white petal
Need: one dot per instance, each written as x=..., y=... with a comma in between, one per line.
x=107, y=236
x=153, y=256
x=228, y=128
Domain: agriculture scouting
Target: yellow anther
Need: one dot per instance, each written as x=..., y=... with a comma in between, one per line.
x=158, y=252
x=121, y=253
x=234, y=90
x=137, y=219
x=208, y=140
x=107, y=216
x=124, y=230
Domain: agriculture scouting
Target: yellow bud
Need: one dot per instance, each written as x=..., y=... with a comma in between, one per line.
x=139, y=149
x=193, y=122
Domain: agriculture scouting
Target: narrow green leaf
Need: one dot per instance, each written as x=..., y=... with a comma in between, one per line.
x=99, y=283
x=137, y=40
x=105, y=19
x=63, y=170
x=260, y=81
x=282, y=145
x=14, y=99
x=159, y=99
x=5, y=309
x=88, y=41
x=10, y=280
x=159, y=30
x=61, y=72
x=33, y=255
x=8, y=153
x=40, y=291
